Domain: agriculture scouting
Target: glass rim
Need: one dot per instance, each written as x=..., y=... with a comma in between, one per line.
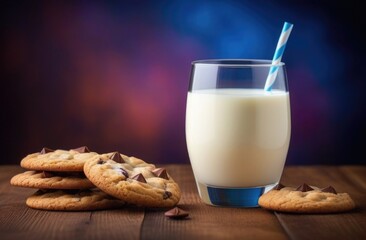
x=238, y=62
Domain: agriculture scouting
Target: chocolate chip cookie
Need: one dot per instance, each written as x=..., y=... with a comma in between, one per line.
x=133, y=180
x=72, y=200
x=306, y=199
x=58, y=160
x=52, y=180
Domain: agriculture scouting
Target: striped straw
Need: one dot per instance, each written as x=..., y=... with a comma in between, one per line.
x=286, y=30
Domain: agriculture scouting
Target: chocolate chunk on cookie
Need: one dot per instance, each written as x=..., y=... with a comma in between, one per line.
x=306, y=199
x=46, y=150
x=161, y=173
x=83, y=149
x=133, y=181
x=139, y=177
x=116, y=156
x=58, y=160
x=329, y=189
x=73, y=200
x=52, y=180
x=304, y=188
x=278, y=187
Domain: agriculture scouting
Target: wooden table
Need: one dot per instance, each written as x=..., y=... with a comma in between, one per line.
x=17, y=221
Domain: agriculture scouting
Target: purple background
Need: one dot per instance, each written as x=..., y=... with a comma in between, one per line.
x=114, y=76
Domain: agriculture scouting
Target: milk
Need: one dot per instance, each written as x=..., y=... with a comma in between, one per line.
x=237, y=137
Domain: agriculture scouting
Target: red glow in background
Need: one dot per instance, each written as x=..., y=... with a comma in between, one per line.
x=114, y=76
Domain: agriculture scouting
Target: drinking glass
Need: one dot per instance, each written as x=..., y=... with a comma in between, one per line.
x=237, y=133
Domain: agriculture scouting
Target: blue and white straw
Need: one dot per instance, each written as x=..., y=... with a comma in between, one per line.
x=286, y=30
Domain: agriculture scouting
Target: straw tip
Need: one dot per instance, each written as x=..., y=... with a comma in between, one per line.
x=288, y=24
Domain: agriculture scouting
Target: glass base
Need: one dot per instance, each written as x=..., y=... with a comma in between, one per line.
x=232, y=197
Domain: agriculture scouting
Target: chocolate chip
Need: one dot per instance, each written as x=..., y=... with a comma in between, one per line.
x=161, y=173
x=176, y=213
x=124, y=172
x=139, y=177
x=167, y=195
x=279, y=186
x=100, y=161
x=46, y=174
x=46, y=150
x=304, y=188
x=329, y=189
x=83, y=149
x=116, y=156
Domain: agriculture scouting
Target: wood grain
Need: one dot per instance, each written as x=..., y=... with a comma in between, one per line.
x=209, y=222
x=20, y=222
x=17, y=221
x=349, y=225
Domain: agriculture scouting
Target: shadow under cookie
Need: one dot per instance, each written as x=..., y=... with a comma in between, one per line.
x=73, y=200
x=52, y=180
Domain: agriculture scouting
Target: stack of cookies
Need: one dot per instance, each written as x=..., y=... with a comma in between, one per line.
x=77, y=179
x=61, y=181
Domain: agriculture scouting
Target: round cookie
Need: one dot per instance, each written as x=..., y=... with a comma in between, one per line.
x=72, y=200
x=58, y=160
x=306, y=199
x=133, y=180
x=52, y=180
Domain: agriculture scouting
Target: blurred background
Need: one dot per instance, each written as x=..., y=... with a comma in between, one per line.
x=113, y=75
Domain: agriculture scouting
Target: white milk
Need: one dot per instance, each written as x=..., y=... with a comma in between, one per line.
x=237, y=137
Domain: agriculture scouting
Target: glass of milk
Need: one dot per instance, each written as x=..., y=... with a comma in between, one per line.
x=237, y=133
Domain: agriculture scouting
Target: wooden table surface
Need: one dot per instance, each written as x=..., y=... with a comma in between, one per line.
x=17, y=221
